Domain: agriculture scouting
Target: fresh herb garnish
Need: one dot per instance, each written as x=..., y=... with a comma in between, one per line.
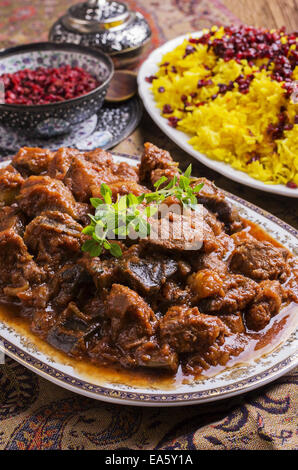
x=129, y=213
x=181, y=190
x=116, y=220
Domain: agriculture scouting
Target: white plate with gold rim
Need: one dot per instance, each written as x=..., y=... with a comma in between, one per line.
x=149, y=67
x=95, y=383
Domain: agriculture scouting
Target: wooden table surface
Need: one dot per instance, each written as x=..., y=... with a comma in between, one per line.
x=267, y=13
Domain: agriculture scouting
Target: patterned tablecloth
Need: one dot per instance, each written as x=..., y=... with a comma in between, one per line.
x=35, y=414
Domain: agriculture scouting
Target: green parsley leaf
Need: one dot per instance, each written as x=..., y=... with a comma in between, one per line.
x=128, y=214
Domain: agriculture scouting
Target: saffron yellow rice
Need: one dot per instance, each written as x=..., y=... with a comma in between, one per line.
x=230, y=127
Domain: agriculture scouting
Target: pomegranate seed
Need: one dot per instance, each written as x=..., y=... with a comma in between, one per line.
x=291, y=184
x=167, y=109
x=254, y=158
x=173, y=121
x=151, y=78
x=251, y=43
x=189, y=50
x=202, y=83
x=47, y=85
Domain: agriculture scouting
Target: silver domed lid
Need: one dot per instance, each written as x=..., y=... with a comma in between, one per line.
x=95, y=15
x=107, y=25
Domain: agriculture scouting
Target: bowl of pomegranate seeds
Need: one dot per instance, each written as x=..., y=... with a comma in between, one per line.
x=48, y=88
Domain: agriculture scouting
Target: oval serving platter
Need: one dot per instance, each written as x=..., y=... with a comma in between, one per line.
x=231, y=381
x=150, y=67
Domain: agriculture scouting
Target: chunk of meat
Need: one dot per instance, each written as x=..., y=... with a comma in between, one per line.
x=178, y=233
x=42, y=193
x=42, y=320
x=18, y=270
x=156, y=163
x=54, y=237
x=121, y=171
x=103, y=271
x=152, y=355
x=65, y=157
x=32, y=160
x=99, y=156
x=129, y=336
x=206, y=283
x=291, y=284
x=71, y=282
x=184, y=269
x=218, y=354
x=34, y=297
x=234, y=322
x=226, y=246
x=187, y=330
x=125, y=307
x=266, y=305
x=10, y=184
x=242, y=237
x=22, y=281
x=142, y=351
x=95, y=306
x=61, y=162
x=71, y=330
x=260, y=260
x=12, y=219
x=215, y=224
x=215, y=200
x=217, y=260
x=121, y=188
x=146, y=275
x=211, y=261
x=83, y=173
x=238, y=292
x=173, y=293
x=104, y=352
x=169, y=173
x=124, y=171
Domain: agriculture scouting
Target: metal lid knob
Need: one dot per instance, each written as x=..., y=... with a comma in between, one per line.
x=95, y=15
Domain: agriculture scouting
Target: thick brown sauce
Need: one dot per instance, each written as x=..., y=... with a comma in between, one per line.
x=257, y=345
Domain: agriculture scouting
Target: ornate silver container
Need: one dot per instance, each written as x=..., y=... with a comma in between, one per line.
x=107, y=25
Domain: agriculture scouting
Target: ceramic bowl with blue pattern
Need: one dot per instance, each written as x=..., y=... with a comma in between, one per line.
x=56, y=118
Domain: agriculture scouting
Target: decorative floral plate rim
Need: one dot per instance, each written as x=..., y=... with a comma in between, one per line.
x=97, y=131
x=150, y=67
x=230, y=382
